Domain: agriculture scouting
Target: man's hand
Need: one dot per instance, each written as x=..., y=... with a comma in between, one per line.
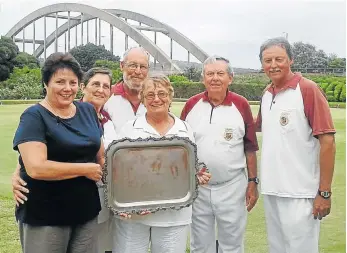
x=252, y=195
x=18, y=189
x=321, y=207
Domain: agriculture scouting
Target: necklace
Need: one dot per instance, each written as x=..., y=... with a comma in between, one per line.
x=57, y=114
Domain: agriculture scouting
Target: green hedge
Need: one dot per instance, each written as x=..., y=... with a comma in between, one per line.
x=25, y=84
x=34, y=101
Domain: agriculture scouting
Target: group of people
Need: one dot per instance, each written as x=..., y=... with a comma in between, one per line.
x=61, y=144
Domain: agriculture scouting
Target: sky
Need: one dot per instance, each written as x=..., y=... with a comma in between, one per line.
x=233, y=29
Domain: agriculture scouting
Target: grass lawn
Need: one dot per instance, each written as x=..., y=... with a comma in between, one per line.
x=333, y=230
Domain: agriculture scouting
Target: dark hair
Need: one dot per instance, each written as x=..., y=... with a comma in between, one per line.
x=58, y=61
x=93, y=71
x=278, y=41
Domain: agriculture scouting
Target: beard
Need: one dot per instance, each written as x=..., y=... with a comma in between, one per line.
x=130, y=84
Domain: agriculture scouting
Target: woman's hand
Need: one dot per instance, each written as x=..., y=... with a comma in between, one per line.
x=203, y=176
x=93, y=171
x=18, y=189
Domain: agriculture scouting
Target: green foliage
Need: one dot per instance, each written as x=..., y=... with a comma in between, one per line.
x=337, y=92
x=24, y=83
x=88, y=54
x=330, y=96
x=192, y=73
x=106, y=64
x=343, y=93
x=178, y=78
x=113, y=66
x=25, y=59
x=324, y=86
x=8, y=52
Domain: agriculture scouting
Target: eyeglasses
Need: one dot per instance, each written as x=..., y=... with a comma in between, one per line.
x=160, y=94
x=134, y=66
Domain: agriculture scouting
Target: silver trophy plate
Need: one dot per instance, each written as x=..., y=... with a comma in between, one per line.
x=150, y=174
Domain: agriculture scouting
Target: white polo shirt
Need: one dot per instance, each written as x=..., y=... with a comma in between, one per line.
x=222, y=134
x=120, y=109
x=290, y=120
x=139, y=128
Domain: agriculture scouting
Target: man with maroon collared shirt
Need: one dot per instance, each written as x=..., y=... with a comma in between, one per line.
x=125, y=104
x=298, y=153
x=226, y=142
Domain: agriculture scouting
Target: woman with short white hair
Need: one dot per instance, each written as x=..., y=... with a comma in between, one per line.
x=167, y=230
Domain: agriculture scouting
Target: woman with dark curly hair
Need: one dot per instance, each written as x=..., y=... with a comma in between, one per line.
x=61, y=158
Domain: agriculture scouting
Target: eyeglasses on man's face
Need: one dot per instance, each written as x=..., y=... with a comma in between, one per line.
x=160, y=94
x=134, y=66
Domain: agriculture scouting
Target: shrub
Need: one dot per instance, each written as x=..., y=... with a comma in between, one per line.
x=343, y=93
x=337, y=92
x=178, y=78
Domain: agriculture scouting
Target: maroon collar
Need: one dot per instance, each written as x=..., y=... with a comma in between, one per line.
x=292, y=83
x=103, y=117
x=118, y=89
x=228, y=100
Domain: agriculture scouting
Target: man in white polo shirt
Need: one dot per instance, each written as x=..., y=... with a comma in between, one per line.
x=298, y=153
x=125, y=104
x=225, y=136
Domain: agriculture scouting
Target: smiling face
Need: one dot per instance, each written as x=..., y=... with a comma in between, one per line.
x=276, y=63
x=156, y=98
x=216, y=78
x=135, y=69
x=97, y=90
x=62, y=87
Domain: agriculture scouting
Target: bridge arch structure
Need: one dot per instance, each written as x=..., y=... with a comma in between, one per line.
x=116, y=18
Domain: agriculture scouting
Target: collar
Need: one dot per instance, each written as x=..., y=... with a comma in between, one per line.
x=290, y=84
x=103, y=117
x=118, y=89
x=228, y=100
x=178, y=127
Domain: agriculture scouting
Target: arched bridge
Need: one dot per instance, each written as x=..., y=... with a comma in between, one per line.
x=116, y=18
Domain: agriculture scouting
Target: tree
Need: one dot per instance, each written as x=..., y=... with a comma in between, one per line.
x=25, y=59
x=8, y=51
x=192, y=73
x=113, y=66
x=306, y=56
x=88, y=54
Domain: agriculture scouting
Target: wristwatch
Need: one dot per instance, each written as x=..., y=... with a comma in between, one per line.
x=254, y=179
x=324, y=194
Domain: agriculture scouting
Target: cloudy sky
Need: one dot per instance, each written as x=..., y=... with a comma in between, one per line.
x=234, y=29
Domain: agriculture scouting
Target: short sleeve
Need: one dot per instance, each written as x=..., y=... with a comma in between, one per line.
x=250, y=137
x=316, y=108
x=31, y=128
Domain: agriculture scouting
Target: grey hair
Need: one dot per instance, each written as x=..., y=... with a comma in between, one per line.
x=278, y=41
x=126, y=53
x=93, y=71
x=215, y=58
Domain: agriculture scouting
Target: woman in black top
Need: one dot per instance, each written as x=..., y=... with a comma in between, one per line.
x=61, y=158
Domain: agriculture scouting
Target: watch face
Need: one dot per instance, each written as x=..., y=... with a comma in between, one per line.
x=325, y=194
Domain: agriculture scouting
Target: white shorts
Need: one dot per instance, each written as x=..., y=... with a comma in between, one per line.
x=291, y=227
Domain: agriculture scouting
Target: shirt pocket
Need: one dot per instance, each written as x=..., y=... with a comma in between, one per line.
x=286, y=120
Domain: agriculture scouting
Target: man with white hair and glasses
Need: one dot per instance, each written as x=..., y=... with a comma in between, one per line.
x=224, y=132
x=125, y=104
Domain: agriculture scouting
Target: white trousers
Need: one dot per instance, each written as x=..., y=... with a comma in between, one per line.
x=226, y=205
x=291, y=227
x=134, y=237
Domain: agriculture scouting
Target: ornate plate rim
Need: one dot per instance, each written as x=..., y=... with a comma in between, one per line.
x=137, y=210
